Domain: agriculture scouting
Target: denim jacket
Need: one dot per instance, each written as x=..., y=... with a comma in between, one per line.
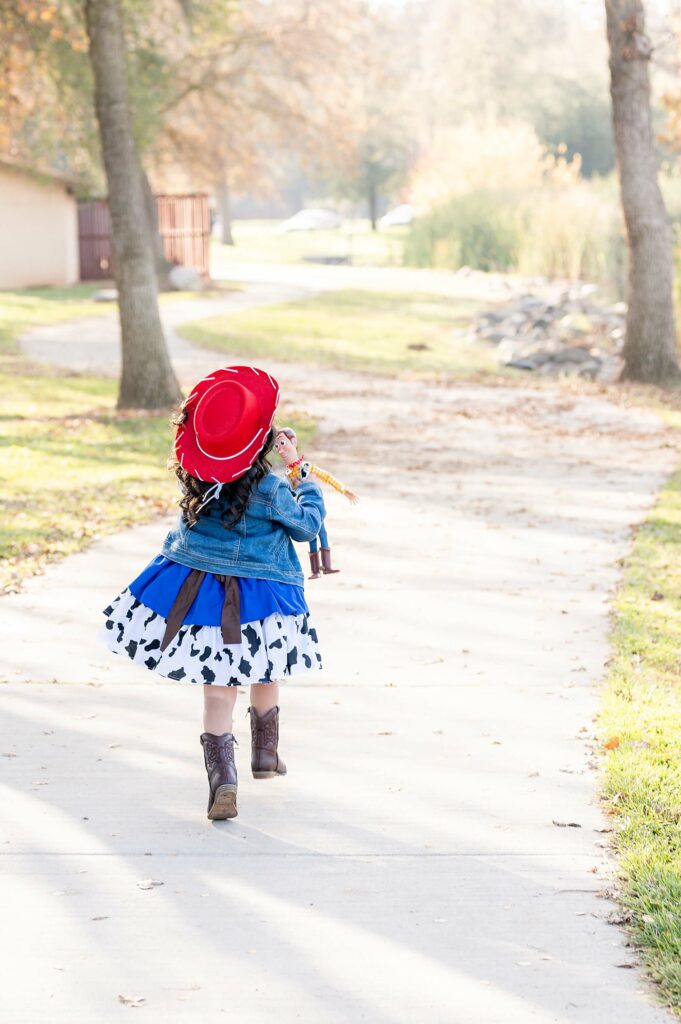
x=260, y=543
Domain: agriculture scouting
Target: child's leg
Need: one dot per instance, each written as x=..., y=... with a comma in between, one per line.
x=323, y=536
x=218, y=707
x=314, y=546
x=264, y=696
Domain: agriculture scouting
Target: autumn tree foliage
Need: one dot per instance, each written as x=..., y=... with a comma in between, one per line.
x=46, y=115
x=267, y=80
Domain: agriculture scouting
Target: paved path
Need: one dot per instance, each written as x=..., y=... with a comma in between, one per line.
x=408, y=869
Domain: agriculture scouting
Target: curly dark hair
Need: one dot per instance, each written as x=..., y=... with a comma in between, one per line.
x=234, y=495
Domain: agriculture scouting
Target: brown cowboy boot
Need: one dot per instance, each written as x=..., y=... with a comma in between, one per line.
x=265, y=761
x=218, y=753
x=326, y=562
x=314, y=565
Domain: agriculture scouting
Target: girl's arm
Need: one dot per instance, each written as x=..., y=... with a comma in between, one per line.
x=302, y=513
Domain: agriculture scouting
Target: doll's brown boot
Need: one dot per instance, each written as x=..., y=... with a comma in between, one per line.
x=218, y=753
x=314, y=565
x=265, y=760
x=326, y=562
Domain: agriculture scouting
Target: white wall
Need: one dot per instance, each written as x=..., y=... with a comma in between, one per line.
x=38, y=232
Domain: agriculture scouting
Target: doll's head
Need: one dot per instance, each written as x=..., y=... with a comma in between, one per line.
x=286, y=445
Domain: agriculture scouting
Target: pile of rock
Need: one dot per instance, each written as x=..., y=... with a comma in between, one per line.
x=561, y=332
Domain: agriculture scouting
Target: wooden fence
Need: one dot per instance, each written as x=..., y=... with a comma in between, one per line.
x=184, y=225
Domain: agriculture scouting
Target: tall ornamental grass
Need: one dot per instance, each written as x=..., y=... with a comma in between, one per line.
x=572, y=232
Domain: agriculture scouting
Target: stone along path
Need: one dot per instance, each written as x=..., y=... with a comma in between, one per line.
x=413, y=865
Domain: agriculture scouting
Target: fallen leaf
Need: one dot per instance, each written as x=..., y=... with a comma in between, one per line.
x=619, y=917
x=384, y=734
x=567, y=824
x=103, y=917
x=148, y=883
x=132, y=1000
x=612, y=743
x=656, y=596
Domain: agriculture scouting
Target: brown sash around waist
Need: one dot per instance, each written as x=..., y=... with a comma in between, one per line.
x=230, y=622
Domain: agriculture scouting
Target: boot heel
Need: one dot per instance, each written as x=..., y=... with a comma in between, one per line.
x=224, y=803
x=268, y=775
x=218, y=753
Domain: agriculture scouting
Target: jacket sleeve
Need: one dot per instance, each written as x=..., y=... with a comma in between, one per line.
x=302, y=513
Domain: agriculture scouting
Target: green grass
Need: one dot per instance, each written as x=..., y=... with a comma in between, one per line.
x=642, y=710
x=72, y=469
x=262, y=241
x=32, y=307
x=368, y=331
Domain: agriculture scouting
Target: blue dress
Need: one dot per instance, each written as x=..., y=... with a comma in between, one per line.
x=277, y=636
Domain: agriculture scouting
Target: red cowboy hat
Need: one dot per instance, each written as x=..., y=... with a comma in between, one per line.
x=229, y=414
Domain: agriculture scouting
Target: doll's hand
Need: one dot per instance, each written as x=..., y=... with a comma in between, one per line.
x=352, y=497
x=305, y=470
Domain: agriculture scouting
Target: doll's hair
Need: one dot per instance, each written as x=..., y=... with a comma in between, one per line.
x=290, y=434
x=233, y=495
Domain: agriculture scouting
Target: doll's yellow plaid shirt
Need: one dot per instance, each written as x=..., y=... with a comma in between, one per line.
x=294, y=475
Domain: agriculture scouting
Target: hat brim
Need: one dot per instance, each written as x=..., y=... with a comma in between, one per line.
x=223, y=470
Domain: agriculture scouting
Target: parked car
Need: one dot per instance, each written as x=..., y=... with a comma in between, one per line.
x=399, y=216
x=312, y=220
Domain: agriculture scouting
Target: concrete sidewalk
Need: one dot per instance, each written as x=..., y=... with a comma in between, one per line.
x=417, y=864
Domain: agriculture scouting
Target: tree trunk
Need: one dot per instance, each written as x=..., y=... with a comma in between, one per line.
x=650, y=351
x=147, y=378
x=372, y=196
x=224, y=206
x=161, y=264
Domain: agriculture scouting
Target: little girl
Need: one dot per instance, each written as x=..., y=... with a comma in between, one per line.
x=223, y=604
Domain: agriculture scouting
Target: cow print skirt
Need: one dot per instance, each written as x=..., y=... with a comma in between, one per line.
x=272, y=648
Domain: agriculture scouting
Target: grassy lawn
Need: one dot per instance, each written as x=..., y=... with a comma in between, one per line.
x=641, y=721
x=262, y=241
x=72, y=468
x=372, y=331
x=31, y=307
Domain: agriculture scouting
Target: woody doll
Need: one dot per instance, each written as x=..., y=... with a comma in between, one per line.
x=297, y=469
